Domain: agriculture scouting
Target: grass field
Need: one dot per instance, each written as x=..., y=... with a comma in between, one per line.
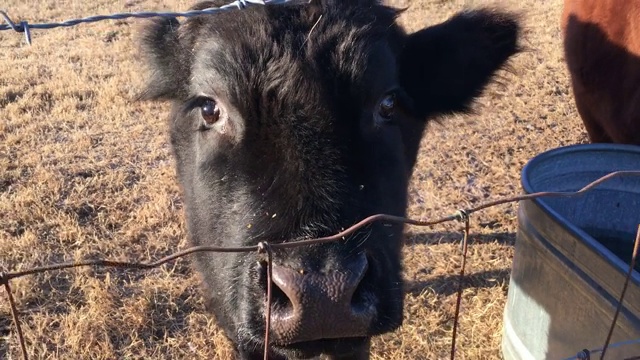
x=86, y=173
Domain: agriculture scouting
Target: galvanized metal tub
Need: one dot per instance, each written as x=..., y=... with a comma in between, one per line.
x=572, y=255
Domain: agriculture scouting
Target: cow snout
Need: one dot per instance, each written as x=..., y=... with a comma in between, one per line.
x=317, y=305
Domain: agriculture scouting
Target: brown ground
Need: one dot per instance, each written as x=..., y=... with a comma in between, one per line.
x=86, y=173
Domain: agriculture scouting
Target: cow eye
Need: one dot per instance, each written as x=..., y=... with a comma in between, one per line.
x=387, y=106
x=210, y=112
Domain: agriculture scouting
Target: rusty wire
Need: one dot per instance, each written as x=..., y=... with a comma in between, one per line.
x=14, y=314
x=465, y=243
x=586, y=354
x=265, y=247
x=461, y=215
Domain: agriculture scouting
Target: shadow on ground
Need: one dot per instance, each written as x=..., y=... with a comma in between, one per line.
x=442, y=237
x=447, y=284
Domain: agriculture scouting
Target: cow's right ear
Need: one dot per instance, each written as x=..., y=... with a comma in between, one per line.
x=162, y=54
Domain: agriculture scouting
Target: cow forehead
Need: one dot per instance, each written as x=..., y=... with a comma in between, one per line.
x=282, y=48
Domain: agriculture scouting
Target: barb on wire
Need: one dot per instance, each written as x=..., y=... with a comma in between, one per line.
x=24, y=27
x=585, y=354
x=461, y=215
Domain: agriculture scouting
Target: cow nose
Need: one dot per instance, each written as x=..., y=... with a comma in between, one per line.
x=319, y=305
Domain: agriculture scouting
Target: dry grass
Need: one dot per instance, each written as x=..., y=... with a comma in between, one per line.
x=86, y=173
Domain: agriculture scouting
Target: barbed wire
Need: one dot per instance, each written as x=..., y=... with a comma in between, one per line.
x=25, y=27
x=264, y=246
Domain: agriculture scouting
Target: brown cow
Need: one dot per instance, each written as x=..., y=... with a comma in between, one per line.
x=602, y=51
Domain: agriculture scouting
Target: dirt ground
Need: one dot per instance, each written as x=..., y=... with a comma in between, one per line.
x=86, y=173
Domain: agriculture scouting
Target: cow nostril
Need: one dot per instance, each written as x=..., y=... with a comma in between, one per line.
x=279, y=300
x=310, y=304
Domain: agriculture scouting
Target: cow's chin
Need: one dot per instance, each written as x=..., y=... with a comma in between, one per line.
x=356, y=348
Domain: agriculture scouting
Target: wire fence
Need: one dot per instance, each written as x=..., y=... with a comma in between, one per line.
x=266, y=247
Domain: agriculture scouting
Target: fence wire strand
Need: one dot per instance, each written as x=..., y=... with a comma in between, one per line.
x=632, y=264
x=266, y=247
x=465, y=242
x=16, y=320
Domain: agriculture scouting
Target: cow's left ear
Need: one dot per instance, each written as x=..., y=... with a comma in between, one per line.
x=443, y=68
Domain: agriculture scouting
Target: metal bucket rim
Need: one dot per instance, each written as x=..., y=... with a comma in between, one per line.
x=590, y=242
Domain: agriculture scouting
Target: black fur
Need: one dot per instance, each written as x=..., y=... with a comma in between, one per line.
x=303, y=152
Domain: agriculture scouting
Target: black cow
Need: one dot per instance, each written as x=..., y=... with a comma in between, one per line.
x=296, y=121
